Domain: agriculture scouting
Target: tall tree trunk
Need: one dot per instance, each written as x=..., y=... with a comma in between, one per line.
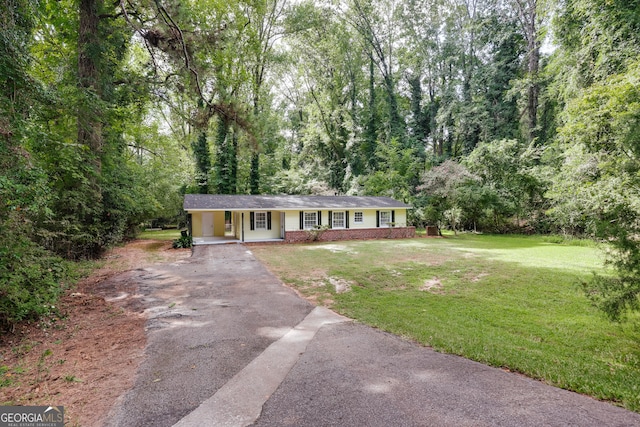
x=221, y=164
x=528, y=17
x=89, y=113
x=371, y=129
x=533, y=90
x=382, y=56
x=232, y=186
x=267, y=21
x=254, y=176
x=396, y=124
x=420, y=125
x=254, y=172
x=203, y=162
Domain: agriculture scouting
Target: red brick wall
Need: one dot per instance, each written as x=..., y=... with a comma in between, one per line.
x=352, y=234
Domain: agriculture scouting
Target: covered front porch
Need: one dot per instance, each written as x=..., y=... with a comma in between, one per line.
x=214, y=227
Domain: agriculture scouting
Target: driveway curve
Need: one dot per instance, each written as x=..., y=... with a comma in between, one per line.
x=230, y=345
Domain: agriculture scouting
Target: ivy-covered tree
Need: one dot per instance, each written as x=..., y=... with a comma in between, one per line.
x=202, y=155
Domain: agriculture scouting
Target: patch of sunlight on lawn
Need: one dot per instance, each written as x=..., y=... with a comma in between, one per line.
x=574, y=258
x=332, y=247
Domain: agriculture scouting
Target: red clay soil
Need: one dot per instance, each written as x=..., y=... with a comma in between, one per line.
x=88, y=357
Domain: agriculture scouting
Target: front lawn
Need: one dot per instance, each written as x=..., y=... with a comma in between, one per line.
x=508, y=301
x=168, y=234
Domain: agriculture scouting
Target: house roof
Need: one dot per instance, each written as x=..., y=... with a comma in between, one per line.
x=213, y=202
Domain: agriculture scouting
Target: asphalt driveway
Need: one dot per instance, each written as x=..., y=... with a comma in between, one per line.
x=229, y=345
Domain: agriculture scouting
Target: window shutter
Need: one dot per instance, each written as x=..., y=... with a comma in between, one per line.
x=301, y=220
x=377, y=218
x=330, y=219
x=393, y=216
x=269, y=220
x=346, y=219
x=319, y=217
x=252, y=222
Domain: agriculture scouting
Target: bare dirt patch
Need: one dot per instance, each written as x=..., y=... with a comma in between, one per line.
x=88, y=356
x=432, y=285
x=341, y=285
x=477, y=277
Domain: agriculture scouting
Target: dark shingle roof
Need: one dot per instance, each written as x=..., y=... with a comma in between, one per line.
x=245, y=202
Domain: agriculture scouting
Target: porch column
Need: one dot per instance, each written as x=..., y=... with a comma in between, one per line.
x=242, y=226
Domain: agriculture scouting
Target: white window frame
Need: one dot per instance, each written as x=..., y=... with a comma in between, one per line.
x=340, y=223
x=359, y=220
x=386, y=221
x=260, y=224
x=308, y=223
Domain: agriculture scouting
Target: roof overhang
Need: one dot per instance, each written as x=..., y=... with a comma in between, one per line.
x=212, y=202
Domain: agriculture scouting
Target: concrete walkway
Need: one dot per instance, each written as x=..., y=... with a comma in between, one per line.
x=229, y=345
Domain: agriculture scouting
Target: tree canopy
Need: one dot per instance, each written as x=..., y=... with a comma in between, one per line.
x=491, y=115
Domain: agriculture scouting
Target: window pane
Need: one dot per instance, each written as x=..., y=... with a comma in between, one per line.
x=358, y=217
x=260, y=220
x=310, y=220
x=338, y=220
x=385, y=218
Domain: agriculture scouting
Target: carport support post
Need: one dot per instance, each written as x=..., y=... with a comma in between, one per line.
x=243, y=226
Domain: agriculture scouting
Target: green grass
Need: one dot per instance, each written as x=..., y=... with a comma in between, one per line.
x=171, y=234
x=509, y=301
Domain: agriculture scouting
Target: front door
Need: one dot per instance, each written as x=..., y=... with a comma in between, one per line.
x=207, y=224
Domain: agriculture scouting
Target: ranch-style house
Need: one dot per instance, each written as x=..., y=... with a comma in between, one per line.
x=244, y=218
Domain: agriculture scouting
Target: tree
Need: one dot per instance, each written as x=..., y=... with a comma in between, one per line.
x=530, y=15
x=193, y=49
x=79, y=141
x=443, y=187
x=426, y=53
x=466, y=54
x=606, y=121
x=379, y=33
x=202, y=154
x=267, y=29
x=20, y=186
x=508, y=168
x=398, y=174
x=30, y=276
x=598, y=76
x=90, y=66
x=571, y=190
x=495, y=97
x=330, y=73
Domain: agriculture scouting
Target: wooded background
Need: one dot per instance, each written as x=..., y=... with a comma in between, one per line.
x=490, y=115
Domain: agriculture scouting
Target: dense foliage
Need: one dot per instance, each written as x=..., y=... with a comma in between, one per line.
x=490, y=115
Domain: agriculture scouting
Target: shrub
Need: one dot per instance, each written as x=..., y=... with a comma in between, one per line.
x=30, y=280
x=184, y=241
x=316, y=232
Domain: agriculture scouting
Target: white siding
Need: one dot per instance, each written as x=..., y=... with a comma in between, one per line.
x=252, y=235
x=292, y=221
x=292, y=218
x=401, y=217
x=368, y=215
